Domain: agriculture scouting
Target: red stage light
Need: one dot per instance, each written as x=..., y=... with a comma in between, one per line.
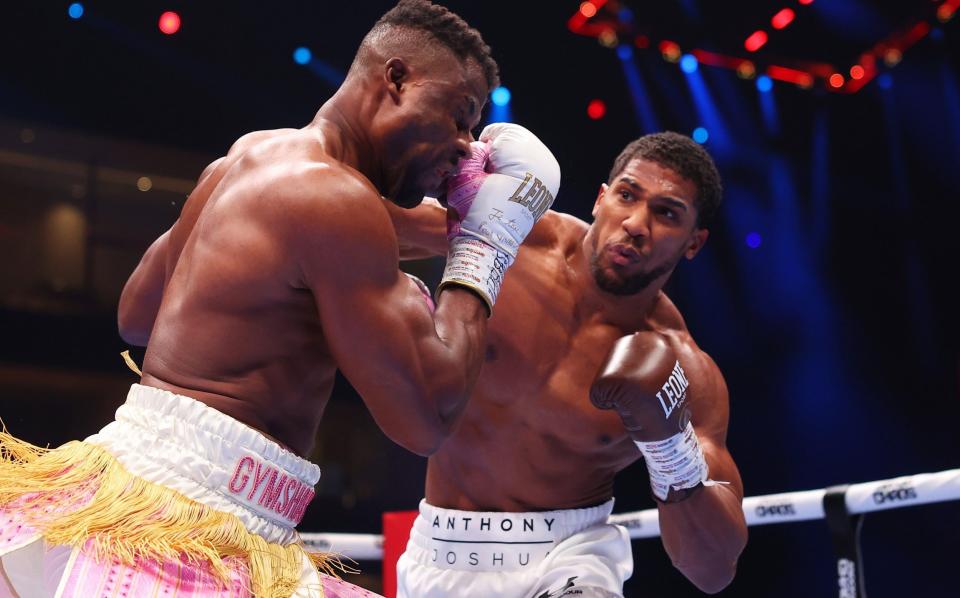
x=169, y=22
x=596, y=109
x=857, y=72
x=945, y=12
x=782, y=18
x=836, y=80
x=781, y=73
x=668, y=46
x=805, y=2
x=588, y=9
x=670, y=50
x=755, y=41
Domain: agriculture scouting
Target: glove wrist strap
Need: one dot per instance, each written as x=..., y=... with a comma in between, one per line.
x=476, y=265
x=674, y=463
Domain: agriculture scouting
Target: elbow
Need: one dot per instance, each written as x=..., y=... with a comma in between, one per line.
x=710, y=580
x=428, y=441
x=134, y=337
x=131, y=331
x=714, y=570
x=434, y=405
x=427, y=436
x=713, y=581
x=134, y=325
x=425, y=447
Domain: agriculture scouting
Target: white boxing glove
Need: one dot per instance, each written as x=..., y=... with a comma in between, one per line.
x=507, y=184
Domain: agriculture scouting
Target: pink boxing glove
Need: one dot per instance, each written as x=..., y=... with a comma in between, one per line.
x=462, y=189
x=424, y=290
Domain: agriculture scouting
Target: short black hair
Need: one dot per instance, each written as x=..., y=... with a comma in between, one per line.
x=445, y=26
x=684, y=156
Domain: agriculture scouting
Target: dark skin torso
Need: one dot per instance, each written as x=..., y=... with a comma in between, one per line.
x=530, y=438
x=283, y=267
x=235, y=286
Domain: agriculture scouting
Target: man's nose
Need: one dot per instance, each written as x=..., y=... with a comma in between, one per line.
x=637, y=224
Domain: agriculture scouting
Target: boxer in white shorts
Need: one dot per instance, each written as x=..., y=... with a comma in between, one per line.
x=582, y=323
x=488, y=553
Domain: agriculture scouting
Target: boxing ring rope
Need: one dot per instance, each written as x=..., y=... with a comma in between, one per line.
x=805, y=505
x=842, y=506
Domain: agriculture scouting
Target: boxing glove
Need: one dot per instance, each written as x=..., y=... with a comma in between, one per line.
x=499, y=193
x=647, y=385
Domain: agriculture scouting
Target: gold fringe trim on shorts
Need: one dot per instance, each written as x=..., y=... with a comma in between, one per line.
x=130, y=518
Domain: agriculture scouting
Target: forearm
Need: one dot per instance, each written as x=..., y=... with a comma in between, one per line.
x=421, y=231
x=461, y=325
x=419, y=403
x=704, y=535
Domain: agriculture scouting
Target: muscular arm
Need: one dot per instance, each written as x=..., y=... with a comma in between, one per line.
x=705, y=533
x=140, y=299
x=421, y=231
x=413, y=369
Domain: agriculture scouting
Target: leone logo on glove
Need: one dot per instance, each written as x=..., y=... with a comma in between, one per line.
x=674, y=389
x=537, y=199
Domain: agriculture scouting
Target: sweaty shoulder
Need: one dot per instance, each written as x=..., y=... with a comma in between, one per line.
x=556, y=229
x=293, y=168
x=668, y=324
x=665, y=315
x=205, y=189
x=328, y=188
x=251, y=139
x=335, y=213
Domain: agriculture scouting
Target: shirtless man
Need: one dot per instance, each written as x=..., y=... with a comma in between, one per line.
x=517, y=499
x=281, y=269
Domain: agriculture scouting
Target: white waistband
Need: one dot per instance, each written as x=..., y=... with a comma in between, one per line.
x=211, y=458
x=497, y=541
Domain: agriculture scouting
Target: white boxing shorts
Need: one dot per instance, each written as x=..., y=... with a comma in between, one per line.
x=173, y=498
x=571, y=552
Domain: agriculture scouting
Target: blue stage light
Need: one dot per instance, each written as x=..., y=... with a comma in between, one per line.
x=500, y=96
x=754, y=240
x=75, y=10
x=302, y=55
x=688, y=63
x=764, y=83
x=885, y=81
x=625, y=52
x=700, y=135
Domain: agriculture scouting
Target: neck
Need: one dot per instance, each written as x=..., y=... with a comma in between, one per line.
x=626, y=311
x=343, y=120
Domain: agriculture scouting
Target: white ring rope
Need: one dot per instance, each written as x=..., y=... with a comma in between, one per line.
x=805, y=505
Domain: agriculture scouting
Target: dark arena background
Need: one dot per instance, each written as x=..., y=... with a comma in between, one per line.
x=826, y=293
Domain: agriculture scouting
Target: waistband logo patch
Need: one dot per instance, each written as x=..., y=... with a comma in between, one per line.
x=257, y=482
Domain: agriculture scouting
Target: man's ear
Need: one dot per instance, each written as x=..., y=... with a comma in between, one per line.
x=395, y=74
x=596, y=203
x=696, y=242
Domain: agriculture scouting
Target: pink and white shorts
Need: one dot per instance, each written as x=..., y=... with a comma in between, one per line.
x=202, y=454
